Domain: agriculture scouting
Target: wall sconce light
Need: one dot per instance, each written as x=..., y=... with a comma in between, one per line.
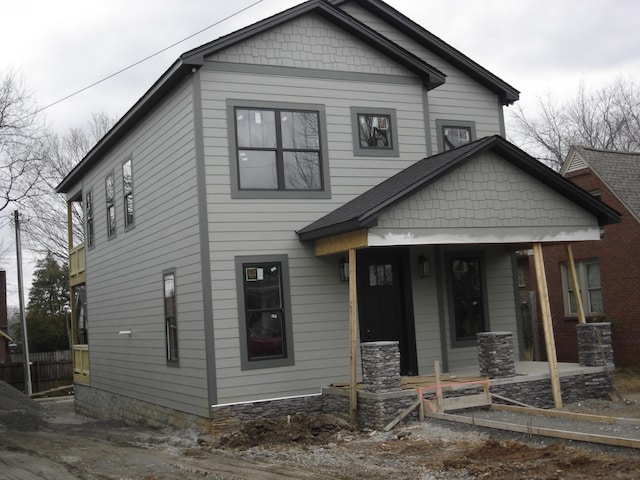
x=343, y=267
x=424, y=268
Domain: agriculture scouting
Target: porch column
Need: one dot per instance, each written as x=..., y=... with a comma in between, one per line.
x=547, y=325
x=353, y=327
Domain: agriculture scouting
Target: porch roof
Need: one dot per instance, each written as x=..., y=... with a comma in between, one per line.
x=363, y=212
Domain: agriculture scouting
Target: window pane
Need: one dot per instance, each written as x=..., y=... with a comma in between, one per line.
x=127, y=179
x=374, y=131
x=257, y=169
x=300, y=130
x=595, y=301
x=256, y=128
x=111, y=219
x=302, y=171
x=456, y=136
x=110, y=189
x=169, y=295
x=262, y=287
x=265, y=330
x=593, y=275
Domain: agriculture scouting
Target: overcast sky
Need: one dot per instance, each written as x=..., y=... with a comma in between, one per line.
x=62, y=46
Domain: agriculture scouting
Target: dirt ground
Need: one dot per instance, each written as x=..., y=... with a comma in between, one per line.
x=48, y=440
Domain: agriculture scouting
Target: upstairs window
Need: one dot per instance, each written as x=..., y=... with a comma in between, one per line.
x=279, y=151
x=127, y=191
x=88, y=214
x=170, y=317
x=111, y=206
x=374, y=132
x=453, y=134
x=588, y=272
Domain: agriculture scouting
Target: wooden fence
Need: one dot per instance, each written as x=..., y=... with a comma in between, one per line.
x=48, y=370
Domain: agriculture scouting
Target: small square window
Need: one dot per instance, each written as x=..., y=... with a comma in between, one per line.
x=374, y=132
x=454, y=133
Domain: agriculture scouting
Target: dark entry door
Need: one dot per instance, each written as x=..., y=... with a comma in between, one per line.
x=385, y=303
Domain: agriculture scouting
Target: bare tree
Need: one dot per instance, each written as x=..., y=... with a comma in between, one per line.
x=21, y=152
x=606, y=118
x=46, y=225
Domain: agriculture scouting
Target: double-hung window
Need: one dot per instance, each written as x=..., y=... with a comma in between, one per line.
x=170, y=316
x=588, y=272
x=127, y=191
x=264, y=311
x=278, y=151
x=111, y=205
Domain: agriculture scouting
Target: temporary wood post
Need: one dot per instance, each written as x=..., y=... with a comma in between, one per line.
x=547, y=325
x=439, y=405
x=353, y=324
x=576, y=285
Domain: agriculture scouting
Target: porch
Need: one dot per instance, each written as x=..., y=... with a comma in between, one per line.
x=531, y=386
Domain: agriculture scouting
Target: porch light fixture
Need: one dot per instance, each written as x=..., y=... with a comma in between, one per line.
x=424, y=268
x=343, y=268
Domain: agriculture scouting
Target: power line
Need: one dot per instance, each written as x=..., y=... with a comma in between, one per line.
x=108, y=77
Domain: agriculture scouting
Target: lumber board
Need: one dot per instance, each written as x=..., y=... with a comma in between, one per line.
x=468, y=401
x=543, y=412
x=545, y=432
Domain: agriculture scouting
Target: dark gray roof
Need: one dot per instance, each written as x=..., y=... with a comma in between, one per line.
x=363, y=211
x=506, y=92
x=184, y=65
x=620, y=171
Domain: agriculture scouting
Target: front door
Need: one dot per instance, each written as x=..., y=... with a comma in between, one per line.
x=385, y=302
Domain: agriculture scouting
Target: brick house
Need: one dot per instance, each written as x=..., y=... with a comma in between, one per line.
x=609, y=268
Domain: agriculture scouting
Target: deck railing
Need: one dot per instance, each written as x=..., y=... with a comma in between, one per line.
x=77, y=265
x=81, y=363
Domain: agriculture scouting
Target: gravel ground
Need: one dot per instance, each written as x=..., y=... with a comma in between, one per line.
x=47, y=439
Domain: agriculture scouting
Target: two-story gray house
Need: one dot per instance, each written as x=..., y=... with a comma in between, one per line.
x=221, y=212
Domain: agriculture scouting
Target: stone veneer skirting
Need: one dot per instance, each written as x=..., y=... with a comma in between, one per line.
x=594, y=344
x=375, y=410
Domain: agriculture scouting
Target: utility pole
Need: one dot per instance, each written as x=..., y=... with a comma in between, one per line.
x=25, y=338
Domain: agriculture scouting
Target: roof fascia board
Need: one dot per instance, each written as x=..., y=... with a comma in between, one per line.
x=507, y=93
x=147, y=102
x=431, y=76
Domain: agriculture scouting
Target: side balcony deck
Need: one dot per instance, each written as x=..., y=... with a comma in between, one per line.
x=77, y=274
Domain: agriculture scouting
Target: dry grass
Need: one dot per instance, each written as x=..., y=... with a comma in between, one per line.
x=627, y=379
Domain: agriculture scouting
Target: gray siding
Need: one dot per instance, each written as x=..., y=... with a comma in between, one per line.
x=425, y=311
x=124, y=273
x=250, y=227
x=310, y=42
x=486, y=200
x=460, y=98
